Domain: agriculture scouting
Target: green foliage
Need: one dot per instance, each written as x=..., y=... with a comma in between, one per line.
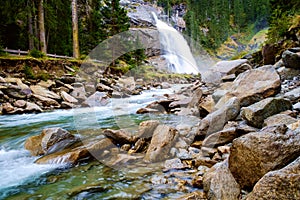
x=28, y=72
x=282, y=15
x=36, y=53
x=211, y=22
x=43, y=76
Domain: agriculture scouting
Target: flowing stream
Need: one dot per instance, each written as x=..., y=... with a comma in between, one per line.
x=175, y=49
x=21, y=178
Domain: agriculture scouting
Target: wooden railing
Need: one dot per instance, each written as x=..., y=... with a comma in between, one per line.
x=19, y=52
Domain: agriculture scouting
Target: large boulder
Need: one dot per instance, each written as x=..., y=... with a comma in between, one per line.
x=164, y=137
x=216, y=120
x=291, y=59
x=41, y=91
x=49, y=141
x=279, y=184
x=254, y=85
x=231, y=67
x=258, y=112
x=255, y=154
x=220, y=184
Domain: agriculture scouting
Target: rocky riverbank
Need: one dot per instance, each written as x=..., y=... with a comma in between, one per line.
x=33, y=86
x=244, y=143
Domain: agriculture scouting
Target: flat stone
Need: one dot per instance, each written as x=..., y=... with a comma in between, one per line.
x=46, y=101
x=41, y=91
x=279, y=119
x=220, y=138
x=68, y=98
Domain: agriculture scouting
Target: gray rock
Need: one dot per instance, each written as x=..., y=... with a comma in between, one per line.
x=280, y=184
x=96, y=99
x=220, y=184
x=296, y=106
x=256, y=113
x=220, y=138
x=291, y=59
x=68, y=98
x=20, y=103
x=79, y=91
x=293, y=94
x=32, y=107
x=163, y=139
x=216, y=120
x=255, y=154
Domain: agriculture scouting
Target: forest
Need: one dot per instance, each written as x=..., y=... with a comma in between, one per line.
x=75, y=27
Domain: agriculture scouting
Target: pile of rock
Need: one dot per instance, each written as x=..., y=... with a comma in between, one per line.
x=249, y=133
x=245, y=142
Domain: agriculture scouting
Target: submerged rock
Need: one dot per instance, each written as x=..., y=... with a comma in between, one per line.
x=49, y=141
x=255, y=154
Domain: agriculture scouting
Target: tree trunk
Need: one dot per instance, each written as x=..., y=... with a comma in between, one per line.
x=42, y=26
x=76, y=53
x=30, y=31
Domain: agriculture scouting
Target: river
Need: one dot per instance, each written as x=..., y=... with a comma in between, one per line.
x=21, y=178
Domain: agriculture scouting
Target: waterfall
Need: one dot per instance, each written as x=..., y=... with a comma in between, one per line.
x=175, y=49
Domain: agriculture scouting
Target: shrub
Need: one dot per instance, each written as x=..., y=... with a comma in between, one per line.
x=36, y=53
x=28, y=72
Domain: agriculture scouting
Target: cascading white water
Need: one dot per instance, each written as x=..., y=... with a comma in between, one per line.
x=175, y=49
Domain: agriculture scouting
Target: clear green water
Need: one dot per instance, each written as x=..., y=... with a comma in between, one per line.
x=21, y=178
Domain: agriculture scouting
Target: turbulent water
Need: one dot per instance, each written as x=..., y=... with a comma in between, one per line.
x=175, y=49
x=21, y=178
